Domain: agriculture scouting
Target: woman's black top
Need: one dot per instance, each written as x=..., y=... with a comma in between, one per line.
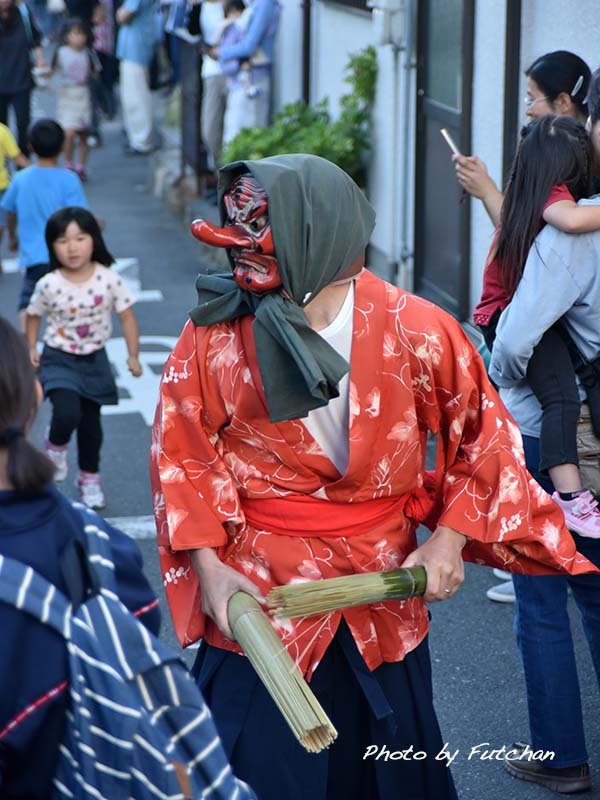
x=15, y=46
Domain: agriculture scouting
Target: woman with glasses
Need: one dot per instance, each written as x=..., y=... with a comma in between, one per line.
x=557, y=83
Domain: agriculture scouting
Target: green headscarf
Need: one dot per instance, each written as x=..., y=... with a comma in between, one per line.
x=321, y=222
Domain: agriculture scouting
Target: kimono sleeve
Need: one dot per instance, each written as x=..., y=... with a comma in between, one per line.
x=482, y=487
x=193, y=487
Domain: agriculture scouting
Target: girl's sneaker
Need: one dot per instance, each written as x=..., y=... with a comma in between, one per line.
x=582, y=514
x=80, y=170
x=58, y=455
x=90, y=489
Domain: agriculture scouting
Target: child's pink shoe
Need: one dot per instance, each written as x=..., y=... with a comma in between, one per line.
x=90, y=489
x=582, y=514
x=80, y=170
x=58, y=455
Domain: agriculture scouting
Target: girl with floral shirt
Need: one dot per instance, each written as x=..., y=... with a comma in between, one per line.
x=77, y=297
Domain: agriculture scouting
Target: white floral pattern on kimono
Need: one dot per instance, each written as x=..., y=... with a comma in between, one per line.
x=413, y=372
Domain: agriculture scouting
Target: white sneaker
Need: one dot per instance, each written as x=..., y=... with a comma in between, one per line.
x=502, y=575
x=58, y=456
x=90, y=489
x=502, y=593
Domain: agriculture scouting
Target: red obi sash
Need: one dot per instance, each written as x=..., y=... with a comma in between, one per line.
x=305, y=515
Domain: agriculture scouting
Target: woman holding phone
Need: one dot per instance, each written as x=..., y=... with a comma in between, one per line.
x=557, y=83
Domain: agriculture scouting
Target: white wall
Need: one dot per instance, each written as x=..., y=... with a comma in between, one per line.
x=558, y=25
x=487, y=122
x=392, y=174
x=337, y=32
x=287, y=83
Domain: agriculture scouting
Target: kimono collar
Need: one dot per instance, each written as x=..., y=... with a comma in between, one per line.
x=321, y=222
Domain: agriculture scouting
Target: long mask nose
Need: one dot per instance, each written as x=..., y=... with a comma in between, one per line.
x=233, y=236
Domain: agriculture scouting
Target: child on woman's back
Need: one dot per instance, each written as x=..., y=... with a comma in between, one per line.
x=552, y=170
x=77, y=297
x=240, y=73
x=73, y=63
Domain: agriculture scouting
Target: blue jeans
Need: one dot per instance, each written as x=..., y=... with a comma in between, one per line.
x=544, y=639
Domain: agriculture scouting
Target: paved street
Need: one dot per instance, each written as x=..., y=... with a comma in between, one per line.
x=478, y=681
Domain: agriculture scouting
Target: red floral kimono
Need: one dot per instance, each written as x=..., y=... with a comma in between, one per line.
x=277, y=510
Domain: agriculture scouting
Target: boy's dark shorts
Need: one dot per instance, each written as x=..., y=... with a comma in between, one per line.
x=30, y=278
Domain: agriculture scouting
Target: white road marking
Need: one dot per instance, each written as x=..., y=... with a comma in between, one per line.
x=10, y=264
x=136, y=527
x=140, y=528
x=142, y=392
x=127, y=268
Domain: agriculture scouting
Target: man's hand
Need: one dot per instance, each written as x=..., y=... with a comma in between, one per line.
x=13, y=242
x=218, y=583
x=213, y=52
x=441, y=557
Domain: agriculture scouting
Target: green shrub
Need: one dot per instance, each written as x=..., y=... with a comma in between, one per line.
x=300, y=128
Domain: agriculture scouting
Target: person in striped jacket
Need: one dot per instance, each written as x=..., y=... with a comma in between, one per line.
x=39, y=528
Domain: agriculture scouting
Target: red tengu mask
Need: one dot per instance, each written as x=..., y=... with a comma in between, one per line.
x=247, y=233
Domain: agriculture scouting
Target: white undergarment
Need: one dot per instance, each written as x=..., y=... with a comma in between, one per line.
x=329, y=426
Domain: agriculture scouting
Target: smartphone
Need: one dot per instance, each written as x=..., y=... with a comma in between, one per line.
x=450, y=142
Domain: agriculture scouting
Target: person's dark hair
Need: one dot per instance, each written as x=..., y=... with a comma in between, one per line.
x=46, y=138
x=8, y=23
x=562, y=71
x=233, y=5
x=60, y=221
x=553, y=150
x=28, y=469
x=74, y=23
x=593, y=97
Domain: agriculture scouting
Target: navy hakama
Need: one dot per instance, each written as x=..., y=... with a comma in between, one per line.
x=390, y=707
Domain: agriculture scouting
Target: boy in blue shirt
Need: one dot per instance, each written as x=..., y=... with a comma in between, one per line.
x=33, y=196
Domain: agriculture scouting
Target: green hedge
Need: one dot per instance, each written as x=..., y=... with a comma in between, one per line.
x=300, y=128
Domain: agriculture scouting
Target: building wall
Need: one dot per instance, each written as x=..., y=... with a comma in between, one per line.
x=486, y=121
x=578, y=31
x=391, y=184
x=391, y=165
x=287, y=75
x=338, y=31
x=555, y=25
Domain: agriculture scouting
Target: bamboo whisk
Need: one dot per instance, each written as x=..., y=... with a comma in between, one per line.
x=332, y=594
x=281, y=677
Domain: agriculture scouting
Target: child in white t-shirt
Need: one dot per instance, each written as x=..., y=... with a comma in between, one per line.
x=77, y=297
x=75, y=63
